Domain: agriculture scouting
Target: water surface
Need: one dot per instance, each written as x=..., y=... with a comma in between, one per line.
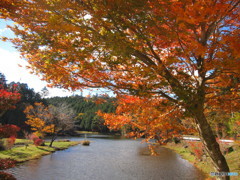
x=108, y=158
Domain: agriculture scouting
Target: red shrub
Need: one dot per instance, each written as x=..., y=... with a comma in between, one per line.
x=38, y=142
x=8, y=130
x=197, y=148
x=6, y=176
x=10, y=142
x=7, y=163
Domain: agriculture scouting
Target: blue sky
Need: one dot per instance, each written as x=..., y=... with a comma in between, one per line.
x=9, y=66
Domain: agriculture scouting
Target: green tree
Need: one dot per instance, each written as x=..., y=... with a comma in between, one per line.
x=85, y=110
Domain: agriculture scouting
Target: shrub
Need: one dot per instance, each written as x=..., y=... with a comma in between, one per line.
x=7, y=163
x=197, y=148
x=33, y=137
x=6, y=176
x=38, y=142
x=10, y=142
x=8, y=130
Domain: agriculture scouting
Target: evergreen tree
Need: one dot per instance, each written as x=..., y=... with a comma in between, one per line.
x=86, y=108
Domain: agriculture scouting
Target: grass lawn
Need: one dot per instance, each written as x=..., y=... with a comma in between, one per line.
x=24, y=153
x=206, y=165
x=23, y=141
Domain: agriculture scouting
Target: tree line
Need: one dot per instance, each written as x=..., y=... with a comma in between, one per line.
x=84, y=109
x=86, y=117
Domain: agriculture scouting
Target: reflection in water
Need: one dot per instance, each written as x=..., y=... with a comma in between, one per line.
x=108, y=159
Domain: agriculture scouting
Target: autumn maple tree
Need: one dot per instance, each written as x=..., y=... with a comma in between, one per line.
x=37, y=117
x=185, y=52
x=8, y=97
x=149, y=118
x=49, y=119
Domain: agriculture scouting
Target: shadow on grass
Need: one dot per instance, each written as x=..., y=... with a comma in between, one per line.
x=16, y=154
x=47, y=150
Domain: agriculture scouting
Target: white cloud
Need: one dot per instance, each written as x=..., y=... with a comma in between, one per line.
x=3, y=30
x=9, y=66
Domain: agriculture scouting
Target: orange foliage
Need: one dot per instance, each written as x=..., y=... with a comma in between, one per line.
x=143, y=48
x=37, y=116
x=183, y=51
x=150, y=118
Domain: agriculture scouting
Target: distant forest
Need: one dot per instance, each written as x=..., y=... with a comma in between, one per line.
x=85, y=108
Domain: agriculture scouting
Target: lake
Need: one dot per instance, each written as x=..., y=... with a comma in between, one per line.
x=108, y=158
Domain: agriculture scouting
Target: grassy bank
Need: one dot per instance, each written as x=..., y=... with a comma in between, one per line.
x=205, y=165
x=87, y=132
x=22, y=153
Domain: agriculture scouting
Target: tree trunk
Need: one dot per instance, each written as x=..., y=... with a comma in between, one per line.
x=53, y=139
x=219, y=130
x=210, y=143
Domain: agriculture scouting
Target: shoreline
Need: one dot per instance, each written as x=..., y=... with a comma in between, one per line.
x=184, y=154
x=205, y=165
x=25, y=153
